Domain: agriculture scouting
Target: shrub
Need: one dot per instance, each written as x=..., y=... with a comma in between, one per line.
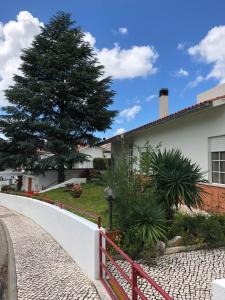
x=136, y=214
x=199, y=229
x=7, y=188
x=101, y=164
x=146, y=220
x=176, y=180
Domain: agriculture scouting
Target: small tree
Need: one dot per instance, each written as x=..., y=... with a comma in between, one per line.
x=60, y=100
x=176, y=180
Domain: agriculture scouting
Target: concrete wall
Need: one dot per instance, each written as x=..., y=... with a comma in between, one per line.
x=218, y=289
x=72, y=180
x=50, y=178
x=78, y=236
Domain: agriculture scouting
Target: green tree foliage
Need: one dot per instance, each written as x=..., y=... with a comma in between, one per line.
x=176, y=180
x=136, y=213
x=101, y=164
x=60, y=100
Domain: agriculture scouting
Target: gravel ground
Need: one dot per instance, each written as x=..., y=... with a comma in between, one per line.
x=44, y=270
x=187, y=275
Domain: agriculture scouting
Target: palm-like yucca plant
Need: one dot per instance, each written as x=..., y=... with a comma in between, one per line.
x=147, y=220
x=176, y=179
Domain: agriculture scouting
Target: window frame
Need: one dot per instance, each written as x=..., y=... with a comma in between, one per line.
x=219, y=172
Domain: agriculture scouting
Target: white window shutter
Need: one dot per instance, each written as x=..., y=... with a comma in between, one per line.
x=217, y=144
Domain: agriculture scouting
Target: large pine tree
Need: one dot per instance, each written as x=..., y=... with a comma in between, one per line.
x=59, y=101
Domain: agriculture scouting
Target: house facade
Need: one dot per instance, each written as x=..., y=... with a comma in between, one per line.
x=198, y=131
x=103, y=151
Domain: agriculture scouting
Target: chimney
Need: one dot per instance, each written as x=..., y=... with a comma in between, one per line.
x=163, y=103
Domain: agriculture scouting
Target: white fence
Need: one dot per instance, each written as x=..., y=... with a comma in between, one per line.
x=219, y=289
x=78, y=236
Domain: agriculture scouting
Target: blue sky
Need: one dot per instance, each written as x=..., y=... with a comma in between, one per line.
x=153, y=44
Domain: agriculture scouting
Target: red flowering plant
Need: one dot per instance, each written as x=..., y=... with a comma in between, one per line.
x=76, y=190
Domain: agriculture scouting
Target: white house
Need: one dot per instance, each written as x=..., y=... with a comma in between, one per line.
x=103, y=151
x=32, y=182
x=198, y=131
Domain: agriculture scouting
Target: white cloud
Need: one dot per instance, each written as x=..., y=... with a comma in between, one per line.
x=130, y=113
x=14, y=36
x=123, y=30
x=211, y=50
x=196, y=81
x=182, y=73
x=137, y=61
x=89, y=38
x=151, y=97
x=181, y=46
x=120, y=131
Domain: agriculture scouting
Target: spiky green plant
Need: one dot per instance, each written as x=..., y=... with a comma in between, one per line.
x=147, y=220
x=176, y=179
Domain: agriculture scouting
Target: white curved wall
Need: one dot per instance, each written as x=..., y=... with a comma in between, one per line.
x=78, y=236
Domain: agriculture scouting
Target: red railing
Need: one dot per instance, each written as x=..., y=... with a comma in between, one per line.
x=137, y=272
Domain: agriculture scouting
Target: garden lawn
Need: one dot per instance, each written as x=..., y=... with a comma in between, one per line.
x=92, y=199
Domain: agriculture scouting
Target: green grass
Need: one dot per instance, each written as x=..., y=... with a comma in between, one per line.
x=92, y=199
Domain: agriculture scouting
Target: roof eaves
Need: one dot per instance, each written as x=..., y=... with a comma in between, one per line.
x=178, y=114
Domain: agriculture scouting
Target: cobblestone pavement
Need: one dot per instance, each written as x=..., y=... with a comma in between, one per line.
x=44, y=270
x=183, y=276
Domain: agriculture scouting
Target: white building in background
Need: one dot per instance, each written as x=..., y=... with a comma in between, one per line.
x=103, y=151
x=198, y=131
x=32, y=182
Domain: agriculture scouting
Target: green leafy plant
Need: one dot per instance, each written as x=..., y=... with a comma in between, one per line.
x=199, y=229
x=147, y=219
x=176, y=180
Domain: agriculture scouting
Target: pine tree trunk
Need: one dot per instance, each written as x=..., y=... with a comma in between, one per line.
x=61, y=174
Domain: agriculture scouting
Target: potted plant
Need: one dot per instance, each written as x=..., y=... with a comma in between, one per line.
x=76, y=190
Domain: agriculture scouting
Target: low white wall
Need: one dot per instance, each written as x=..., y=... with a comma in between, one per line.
x=218, y=289
x=78, y=236
x=72, y=180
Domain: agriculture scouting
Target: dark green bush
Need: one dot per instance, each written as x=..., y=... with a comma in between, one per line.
x=199, y=229
x=101, y=164
x=7, y=188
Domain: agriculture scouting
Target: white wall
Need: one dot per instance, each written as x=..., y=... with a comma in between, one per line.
x=50, y=178
x=190, y=134
x=217, y=91
x=78, y=236
x=94, y=152
x=218, y=289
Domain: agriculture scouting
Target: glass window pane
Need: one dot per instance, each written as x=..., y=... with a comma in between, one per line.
x=222, y=155
x=222, y=166
x=215, y=166
x=215, y=155
x=222, y=178
x=215, y=177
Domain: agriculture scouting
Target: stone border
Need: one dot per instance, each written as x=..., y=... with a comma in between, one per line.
x=12, y=281
x=179, y=249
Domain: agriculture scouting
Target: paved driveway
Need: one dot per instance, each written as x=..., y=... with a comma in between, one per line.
x=187, y=275
x=44, y=270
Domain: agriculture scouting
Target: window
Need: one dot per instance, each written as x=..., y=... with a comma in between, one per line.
x=218, y=167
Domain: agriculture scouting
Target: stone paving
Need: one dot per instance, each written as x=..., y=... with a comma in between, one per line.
x=187, y=275
x=44, y=270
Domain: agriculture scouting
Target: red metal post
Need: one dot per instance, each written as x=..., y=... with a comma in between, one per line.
x=134, y=282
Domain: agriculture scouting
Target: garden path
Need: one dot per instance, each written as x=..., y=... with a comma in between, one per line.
x=44, y=270
x=184, y=276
